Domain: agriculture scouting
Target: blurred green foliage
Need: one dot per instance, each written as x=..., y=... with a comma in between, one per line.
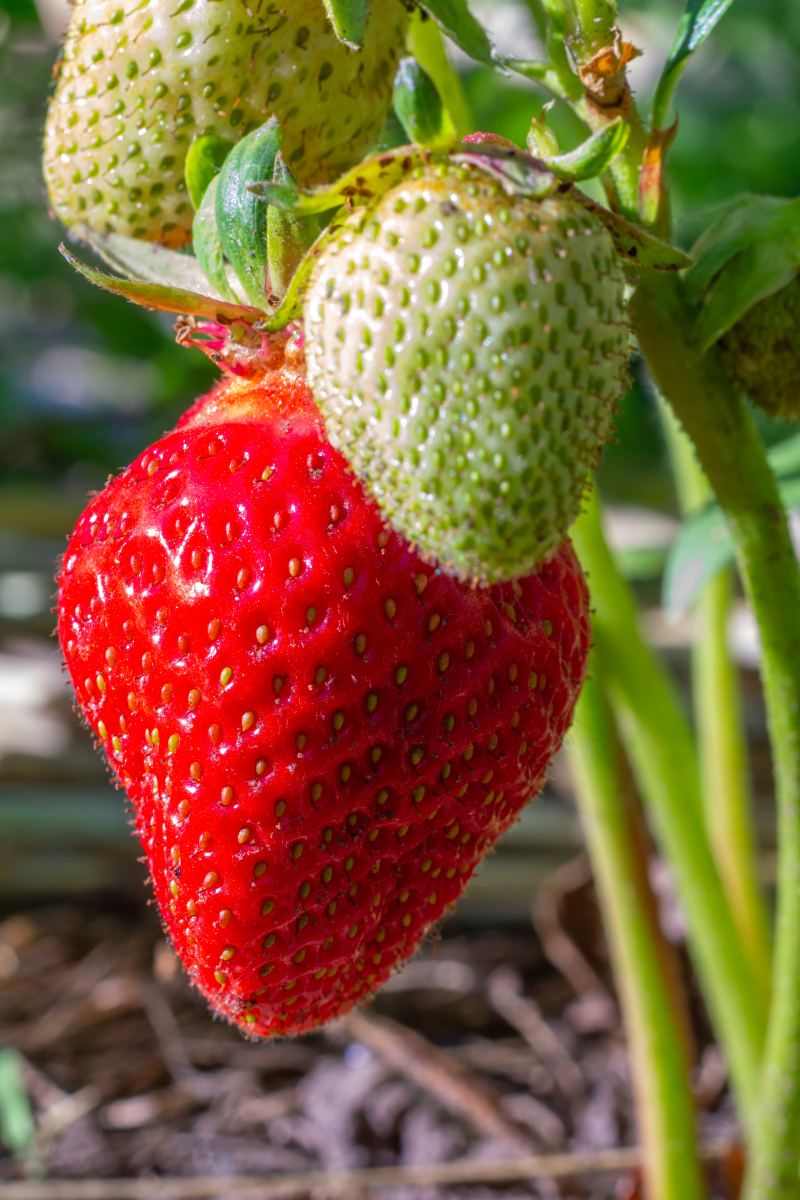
x=87, y=380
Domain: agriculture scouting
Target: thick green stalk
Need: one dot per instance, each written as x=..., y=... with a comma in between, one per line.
x=719, y=721
x=625, y=170
x=653, y=1022
x=659, y=744
x=733, y=458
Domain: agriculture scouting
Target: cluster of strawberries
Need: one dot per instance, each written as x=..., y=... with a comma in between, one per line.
x=329, y=631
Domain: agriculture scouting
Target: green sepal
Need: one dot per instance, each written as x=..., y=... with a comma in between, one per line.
x=541, y=142
x=419, y=106
x=358, y=186
x=291, y=307
x=349, y=20
x=145, y=261
x=752, y=251
x=241, y=219
x=454, y=18
x=206, y=155
x=517, y=172
x=593, y=156
x=207, y=245
x=633, y=243
x=703, y=546
x=166, y=299
x=288, y=237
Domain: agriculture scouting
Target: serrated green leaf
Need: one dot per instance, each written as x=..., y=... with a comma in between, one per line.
x=419, y=106
x=289, y=236
x=206, y=155
x=593, y=156
x=634, y=243
x=454, y=18
x=146, y=261
x=241, y=218
x=349, y=20
x=166, y=299
x=207, y=245
x=697, y=22
x=752, y=251
x=703, y=546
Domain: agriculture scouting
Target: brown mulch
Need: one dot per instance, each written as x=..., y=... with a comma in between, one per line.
x=479, y=1050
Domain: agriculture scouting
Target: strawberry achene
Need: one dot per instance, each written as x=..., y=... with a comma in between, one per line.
x=321, y=733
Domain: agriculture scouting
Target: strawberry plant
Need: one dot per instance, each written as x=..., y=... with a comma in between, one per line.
x=330, y=630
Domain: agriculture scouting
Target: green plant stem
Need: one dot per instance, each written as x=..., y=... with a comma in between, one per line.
x=626, y=168
x=659, y=744
x=424, y=41
x=724, y=773
x=654, y=1022
x=719, y=721
x=734, y=460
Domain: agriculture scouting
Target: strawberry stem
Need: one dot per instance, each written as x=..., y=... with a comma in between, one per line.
x=654, y=1006
x=733, y=457
x=722, y=742
x=659, y=743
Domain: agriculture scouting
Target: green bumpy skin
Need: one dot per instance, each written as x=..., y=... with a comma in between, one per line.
x=762, y=351
x=137, y=86
x=467, y=350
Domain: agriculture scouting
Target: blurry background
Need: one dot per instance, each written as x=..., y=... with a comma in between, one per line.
x=86, y=382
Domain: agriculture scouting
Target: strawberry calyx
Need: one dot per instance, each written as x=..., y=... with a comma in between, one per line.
x=240, y=349
x=256, y=239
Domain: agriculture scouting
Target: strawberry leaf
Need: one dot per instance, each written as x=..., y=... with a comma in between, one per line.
x=206, y=155
x=241, y=219
x=703, y=546
x=164, y=298
x=454, y=18
x=349, y=20
x=751, y=252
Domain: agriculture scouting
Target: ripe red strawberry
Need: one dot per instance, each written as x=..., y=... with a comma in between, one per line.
x=322, y=734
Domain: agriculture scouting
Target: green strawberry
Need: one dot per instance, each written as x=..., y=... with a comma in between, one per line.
x=137, y=86
x=745, y=282
x=761, y=351
x=467, y=345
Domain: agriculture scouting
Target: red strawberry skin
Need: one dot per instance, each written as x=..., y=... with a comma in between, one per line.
x=322, y=734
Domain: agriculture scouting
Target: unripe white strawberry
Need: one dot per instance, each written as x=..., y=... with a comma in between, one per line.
x=467, y=347
x=136, y=86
